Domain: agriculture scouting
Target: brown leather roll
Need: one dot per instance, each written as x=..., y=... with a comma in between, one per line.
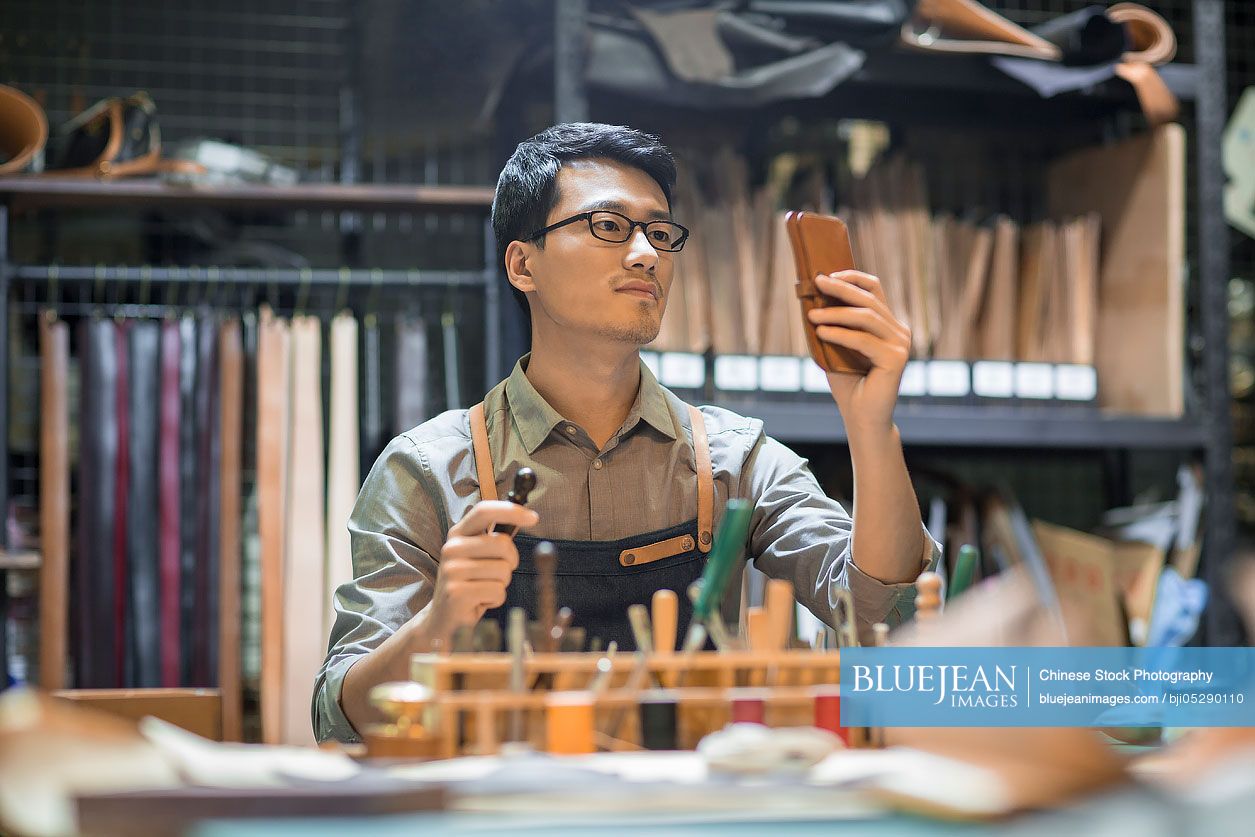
x=54, y=498
x=23, y=131
x=1152, y=38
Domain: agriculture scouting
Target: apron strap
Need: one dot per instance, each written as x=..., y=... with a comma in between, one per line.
x=705, y=480
x=483, y=458
x=701, y=452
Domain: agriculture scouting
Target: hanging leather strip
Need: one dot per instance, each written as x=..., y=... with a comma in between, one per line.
x=144, y=340
x=205, y=661
x=231, y=402
x=54, y=498
x=168, y=503
x=123, y=628
x=343, y=476
x=272, y=454
x=93, y=564
x=304, y=572
x=372, y=395
x=411, y=373
x=189, y=492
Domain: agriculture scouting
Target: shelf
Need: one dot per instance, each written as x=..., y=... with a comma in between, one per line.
x=249, y=275
x=18, y=560
x=927, y=425
x=974, y=74
x=38, y=192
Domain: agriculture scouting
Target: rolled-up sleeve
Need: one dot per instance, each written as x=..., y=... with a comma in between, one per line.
x=801, y=535
x=395, y=528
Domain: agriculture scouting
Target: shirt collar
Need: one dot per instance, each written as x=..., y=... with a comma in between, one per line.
x=536, y=419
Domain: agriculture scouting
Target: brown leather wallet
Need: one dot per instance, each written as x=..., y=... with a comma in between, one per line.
x=821, y=244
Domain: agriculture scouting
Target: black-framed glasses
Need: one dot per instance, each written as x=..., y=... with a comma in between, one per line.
x=667, y=236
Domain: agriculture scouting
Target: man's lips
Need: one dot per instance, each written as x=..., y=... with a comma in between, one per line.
x=640, y=289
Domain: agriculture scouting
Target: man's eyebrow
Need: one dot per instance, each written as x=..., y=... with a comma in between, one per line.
x=621, y=207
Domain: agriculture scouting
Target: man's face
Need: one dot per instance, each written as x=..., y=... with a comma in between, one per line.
x=583, y=284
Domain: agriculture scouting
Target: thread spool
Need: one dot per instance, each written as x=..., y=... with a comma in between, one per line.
x=749, y=706
x=828, y=712
x=658, y=722
x=569, y=723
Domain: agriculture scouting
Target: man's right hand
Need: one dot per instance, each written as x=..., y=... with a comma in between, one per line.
x=476, y=564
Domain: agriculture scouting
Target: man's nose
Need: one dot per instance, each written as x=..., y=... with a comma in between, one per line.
x=641, y=255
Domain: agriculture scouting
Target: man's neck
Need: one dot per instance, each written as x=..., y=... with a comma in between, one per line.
x=593, y=387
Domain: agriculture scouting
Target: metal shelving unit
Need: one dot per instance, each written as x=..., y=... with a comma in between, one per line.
x=968, y=83
x=25, y=193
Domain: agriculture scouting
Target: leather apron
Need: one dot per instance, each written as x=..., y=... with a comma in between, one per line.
x=598, y=580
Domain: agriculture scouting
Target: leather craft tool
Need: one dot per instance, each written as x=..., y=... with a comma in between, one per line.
x=524, y=483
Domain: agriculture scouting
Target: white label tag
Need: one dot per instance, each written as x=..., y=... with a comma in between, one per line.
x=683, y=370
x=780, y=374
x=949, y=378
x=650, y=360
x=914, y=379
x=1034, y=380
x=993, y=378
x=736, y=372
x=814, y=378
x=1075, y=382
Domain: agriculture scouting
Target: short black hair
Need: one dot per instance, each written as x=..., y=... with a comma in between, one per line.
x=527, y=188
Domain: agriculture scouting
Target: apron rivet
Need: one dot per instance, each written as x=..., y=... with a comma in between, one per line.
x=629, y=558
x=705, y=537
x=687, y=543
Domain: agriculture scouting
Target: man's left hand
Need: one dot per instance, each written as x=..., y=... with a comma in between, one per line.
x=864, y=323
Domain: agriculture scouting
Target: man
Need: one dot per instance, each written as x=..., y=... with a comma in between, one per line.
x=630, y=479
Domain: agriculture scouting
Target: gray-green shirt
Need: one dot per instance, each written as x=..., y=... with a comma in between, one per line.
x=642, y=480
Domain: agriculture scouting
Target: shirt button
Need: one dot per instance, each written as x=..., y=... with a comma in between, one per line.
x=570, y=428
x=597, y=464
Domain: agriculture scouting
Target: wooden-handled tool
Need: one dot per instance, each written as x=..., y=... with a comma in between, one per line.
x=928, y=596
x=546, y=558
x=524, y=484
x=729, y=540
x=778, y=604
x=665, y=612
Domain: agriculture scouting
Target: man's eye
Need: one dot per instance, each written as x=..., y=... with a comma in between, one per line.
x=662, y=236
x=608, y=225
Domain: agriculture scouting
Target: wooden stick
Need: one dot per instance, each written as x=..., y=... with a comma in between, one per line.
x=665, y=613
x=779, y=605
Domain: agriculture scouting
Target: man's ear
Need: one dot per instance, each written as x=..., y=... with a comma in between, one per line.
x=517, y=269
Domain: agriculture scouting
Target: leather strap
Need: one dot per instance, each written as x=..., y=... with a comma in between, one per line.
x=705, y=481
x=190, y=494
x=272, y=453
x=231, y=411
x=483, y=456
x=372, y=398
x=125, y=657
x=205, y=579
x=343, y=476
x=656, y=551
x=168, y=510
x=54, y=499
x=93, y=569
x=143, y=341
x=304, y=571
x=411, y=378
